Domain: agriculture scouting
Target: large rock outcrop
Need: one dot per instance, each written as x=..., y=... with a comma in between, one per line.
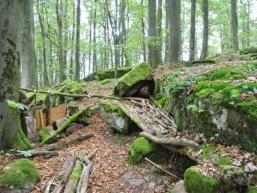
x=221, y=103
x=135, y=81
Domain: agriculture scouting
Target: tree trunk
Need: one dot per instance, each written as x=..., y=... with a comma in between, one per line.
x=43, y=34
x=28, y=54
x=192, y=31
x=94, y=40
x=234, y=24
x=152, y=55
x=175, y=31
x=143, y=33
x=204, y=52
x=159, y=32
x=59, y=12
x=72, y=39
x=77, y=54
x=11, y=25
x=167, y=30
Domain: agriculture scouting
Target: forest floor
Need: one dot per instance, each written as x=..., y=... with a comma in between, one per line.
x=111, y=170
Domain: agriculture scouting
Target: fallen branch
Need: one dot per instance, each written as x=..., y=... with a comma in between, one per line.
x=180, y=142
x=35, y=153
x=73, y=140
x=63, y=126
x=82, y=95
x=162, y=169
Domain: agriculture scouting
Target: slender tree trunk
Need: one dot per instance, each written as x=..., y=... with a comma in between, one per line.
x=43, y=34
x=159, y=32
x=167, y=30
x=94, y=41
x=143, y=33
x=204, y=52
x=152, y=54
x=28, y=54
x=59, y=12
x=66, y=37
x=234, y=24
x=72, y=39
x=175, y=31
x=248, y=22
x=11, y=25
x=192, y=31
x=77, y=54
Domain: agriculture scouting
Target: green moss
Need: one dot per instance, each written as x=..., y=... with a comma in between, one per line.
x=110, y=73
x=110, y=107
x=77, y=171
x=248, y=50
x=195, y=182
x=224, y=161
x=18, y=173
x=139, y=149
x=21, y=141
x=161, y=102
x=140, y=72
x=44, y=133
x=106, y=81
x=252, y=190
x=207, y=150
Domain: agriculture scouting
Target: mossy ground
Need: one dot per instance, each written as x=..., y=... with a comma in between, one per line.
x=139, y=149
x=18, y=173
x=21, y=141
x=195, y=182
x=138, y=73
x=106, y=81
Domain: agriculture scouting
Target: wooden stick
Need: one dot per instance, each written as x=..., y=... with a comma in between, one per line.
x=76, y=139
x=162, y=169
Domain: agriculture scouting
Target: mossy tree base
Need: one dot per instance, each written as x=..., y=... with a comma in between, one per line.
x=22, y=142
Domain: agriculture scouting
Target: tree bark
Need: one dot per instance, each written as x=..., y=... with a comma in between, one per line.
x=43, y=33
x=192, y=31
x=28, y=54
x=167, y=30
x=11, y=25
x=59, y=10
x=175, y=31
x=143, y=32
x=77, y=54
x=205, y=10
x=72, y=39
x=159, y=32
x=152, y=54
x=234, y=24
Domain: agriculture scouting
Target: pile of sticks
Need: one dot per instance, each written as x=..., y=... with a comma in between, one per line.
x=74, y=175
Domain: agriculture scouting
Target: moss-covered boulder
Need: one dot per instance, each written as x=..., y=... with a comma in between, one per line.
x=114, y=116
x=140, y=148
x=196, y=182
x=21, y=142
x=131, y=83
x=220, y=103
x=108, y=74
x=19, y=176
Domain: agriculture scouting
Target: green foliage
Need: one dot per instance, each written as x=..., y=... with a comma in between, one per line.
x=252, y=190
x=224, y=161
x=16, y=105
x=139, y=149
x=207, y=150
x=196, y=108
x=195, y=182
x=19, y=173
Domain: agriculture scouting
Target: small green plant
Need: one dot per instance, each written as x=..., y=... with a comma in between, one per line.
x=196, y=108
x=15, y=105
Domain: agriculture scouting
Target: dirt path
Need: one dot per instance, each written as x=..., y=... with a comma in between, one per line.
x=111, y=172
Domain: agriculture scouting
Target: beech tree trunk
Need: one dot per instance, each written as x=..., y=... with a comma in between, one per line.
x=175, y=31
x=192, y=31
x=234, y=24
x=152, y=54
x=205, y=8
x=11, y=25
x=167, y=30
x=77, y=54
x=159, y=32
x=28, y=54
